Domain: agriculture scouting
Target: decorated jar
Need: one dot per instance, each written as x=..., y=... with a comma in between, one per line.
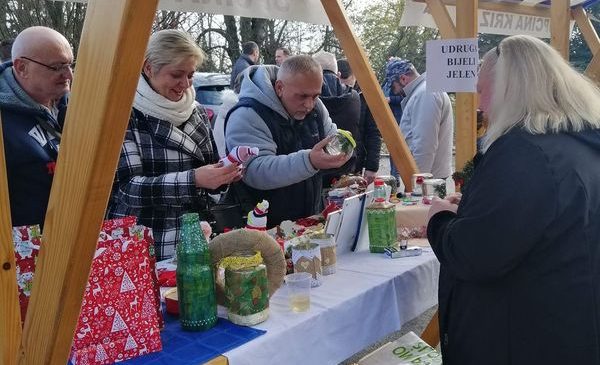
x=433, y=188
x=417, y=182
x=246, y=288
x=306, y=257
x=342, y=142
x=328, y=252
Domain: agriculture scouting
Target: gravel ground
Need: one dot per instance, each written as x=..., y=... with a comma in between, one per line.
x=417, y=326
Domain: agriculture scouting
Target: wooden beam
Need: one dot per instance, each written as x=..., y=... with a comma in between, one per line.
x=219, y=360
x=466, y=103
x=431, y=334
x=114, y=38
x=560, y=16
x=373, y=94
x=593, y=69
x=587, y=29
x=10, y=323
x=442, y=18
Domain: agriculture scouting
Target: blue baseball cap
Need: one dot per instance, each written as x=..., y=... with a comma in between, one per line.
x=397, y=67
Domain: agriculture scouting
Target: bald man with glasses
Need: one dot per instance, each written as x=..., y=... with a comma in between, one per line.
x=33, y=96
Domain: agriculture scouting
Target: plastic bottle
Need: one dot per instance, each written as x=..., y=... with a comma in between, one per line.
x=381, y=218
x=195, y=280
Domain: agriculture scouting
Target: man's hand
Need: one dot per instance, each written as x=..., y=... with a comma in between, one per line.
x=213, y=176
x=322, y=160
x=370, y=176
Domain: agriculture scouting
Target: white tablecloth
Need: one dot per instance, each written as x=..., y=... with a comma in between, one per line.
x=368, y=297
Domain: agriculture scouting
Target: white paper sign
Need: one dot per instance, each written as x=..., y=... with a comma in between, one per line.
x=490, y=21
x=452, y=65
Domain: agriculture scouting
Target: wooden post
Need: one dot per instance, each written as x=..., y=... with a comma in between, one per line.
x=560, y=16
x=114, y=38
x=466, y=103
x=373, y=94
x=593, y=69
x=431, y=334
x=10, y=323
x=442, y=18
x=587, y=29
x=592, y=40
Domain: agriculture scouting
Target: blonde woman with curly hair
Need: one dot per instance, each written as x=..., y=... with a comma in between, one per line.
x=520, y=252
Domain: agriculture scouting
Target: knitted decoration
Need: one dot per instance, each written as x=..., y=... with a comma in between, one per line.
x=239, y=154
x=257, y=218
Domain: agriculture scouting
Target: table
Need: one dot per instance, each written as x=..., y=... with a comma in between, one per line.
x=369, y=297
x=411, y=215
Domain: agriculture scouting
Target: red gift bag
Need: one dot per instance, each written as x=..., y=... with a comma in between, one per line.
x=119, y=318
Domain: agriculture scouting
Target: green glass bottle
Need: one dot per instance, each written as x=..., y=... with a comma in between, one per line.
x=195, y=280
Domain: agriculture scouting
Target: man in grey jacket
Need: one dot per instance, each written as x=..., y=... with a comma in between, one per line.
x=427, y=120
x=285, y=119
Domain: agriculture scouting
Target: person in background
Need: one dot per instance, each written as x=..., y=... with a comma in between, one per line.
x=250, y=56
x=342, y=103
x=33, y=99
x=286, y=120
x=345, y=73
x=281, y=54
x=427, y=119
x=368, y=140
x=6, y=49
x=394, y=96
x=520, y=252
x=228, y=101
x=168, y=162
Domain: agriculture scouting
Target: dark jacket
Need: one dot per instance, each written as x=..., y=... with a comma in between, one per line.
x=155, y=176
x=368, y=141
x=520, y=261
x=343, y=104
x=242, y=63
x=31, y=140
x=295, y=201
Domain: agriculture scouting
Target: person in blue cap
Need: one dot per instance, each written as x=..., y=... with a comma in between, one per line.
x=427, y=121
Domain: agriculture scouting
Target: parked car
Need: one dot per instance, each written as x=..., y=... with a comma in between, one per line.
x=209, y=88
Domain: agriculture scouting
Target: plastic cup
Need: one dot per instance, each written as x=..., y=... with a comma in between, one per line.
x=298, y=285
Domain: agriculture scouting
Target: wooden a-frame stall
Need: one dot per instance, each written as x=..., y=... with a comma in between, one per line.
x=110, y=56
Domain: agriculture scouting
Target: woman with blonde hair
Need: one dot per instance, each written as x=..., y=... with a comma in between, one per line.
x=168, y=159
x=520, y=252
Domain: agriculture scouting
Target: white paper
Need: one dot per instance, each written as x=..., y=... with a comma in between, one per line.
x=452, y=65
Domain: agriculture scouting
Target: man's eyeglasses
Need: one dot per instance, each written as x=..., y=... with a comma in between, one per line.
x=58, y=68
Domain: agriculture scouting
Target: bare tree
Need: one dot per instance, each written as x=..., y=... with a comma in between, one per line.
x=66, y=18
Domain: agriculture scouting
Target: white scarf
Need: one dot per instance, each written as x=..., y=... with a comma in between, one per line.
x=151, y=103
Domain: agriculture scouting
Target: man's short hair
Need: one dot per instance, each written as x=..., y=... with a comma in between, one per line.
x=285, y=50
x=344, y=68
x=326, y=60
x=299, y=64
x=248, y=48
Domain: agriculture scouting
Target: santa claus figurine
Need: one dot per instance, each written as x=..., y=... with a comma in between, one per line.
x=257, y=218
x=239, y=154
